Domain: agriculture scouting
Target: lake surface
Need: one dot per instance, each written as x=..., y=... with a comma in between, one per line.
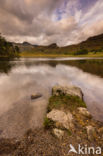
x=20, y=79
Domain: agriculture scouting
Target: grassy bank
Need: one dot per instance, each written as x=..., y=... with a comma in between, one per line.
x=29, y=55
x=65, y=102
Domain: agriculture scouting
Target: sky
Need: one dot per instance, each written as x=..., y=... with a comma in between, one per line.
x=44, y=22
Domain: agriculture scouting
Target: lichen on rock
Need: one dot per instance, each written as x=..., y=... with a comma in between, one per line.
x=67, y=90
x=65, y=120
x=84, y=112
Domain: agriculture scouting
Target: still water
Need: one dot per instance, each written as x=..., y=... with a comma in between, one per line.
x=20, y=79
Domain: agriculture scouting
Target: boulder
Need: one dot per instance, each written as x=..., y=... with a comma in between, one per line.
x=84, y=112
x=91, y=132
x=35, y=96
x=67, y=90
x=58, y=133
x=63, y=119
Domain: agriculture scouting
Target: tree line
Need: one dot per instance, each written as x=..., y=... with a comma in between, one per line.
x=7, y=49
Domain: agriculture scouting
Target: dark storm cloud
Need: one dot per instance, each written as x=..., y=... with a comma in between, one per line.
x=47, y=21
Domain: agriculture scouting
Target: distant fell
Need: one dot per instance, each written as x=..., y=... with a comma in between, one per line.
x=92, y=44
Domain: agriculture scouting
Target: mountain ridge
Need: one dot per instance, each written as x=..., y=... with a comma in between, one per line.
x=92, y=44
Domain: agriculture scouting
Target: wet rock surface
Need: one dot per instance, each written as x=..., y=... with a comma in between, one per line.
x=36, y=96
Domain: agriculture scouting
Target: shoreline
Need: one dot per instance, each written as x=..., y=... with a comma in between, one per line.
x=28, y=55
x=66, y=122
x=31, y=55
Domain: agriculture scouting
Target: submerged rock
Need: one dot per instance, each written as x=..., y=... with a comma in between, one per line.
x=35, y=96
x=67, y=90
x=63, y=119
x=84, y=112
x=58, y=133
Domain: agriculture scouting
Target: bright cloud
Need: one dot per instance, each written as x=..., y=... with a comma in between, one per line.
x=47, y=21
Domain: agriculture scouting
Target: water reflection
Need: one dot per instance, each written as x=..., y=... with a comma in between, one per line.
x=18, y=112
x=94, y=66
x=6, y=65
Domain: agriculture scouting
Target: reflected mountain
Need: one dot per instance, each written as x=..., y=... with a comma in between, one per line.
x=93, y=66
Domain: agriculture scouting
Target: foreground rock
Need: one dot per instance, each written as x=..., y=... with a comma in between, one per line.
x=67, y=90
x=91, y=132
x=35, y=96
x=58, y=133
x=61, y=118
x=84, y=112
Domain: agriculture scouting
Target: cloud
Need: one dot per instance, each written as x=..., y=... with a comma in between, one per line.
x=48, y=21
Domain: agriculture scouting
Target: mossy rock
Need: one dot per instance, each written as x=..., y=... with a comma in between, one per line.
x=65, y=102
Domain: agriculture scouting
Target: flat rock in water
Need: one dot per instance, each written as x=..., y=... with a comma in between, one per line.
x=67, y=90
x=35, y=96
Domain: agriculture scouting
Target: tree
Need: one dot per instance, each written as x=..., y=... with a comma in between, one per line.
x=7, y=49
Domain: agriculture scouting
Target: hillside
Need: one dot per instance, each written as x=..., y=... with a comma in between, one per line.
x=92, y=44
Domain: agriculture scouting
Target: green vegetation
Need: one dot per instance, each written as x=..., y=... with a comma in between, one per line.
x=92, y=66
x=48, y=123
x=92, y=47
x=65, y=102
x=81, y=52
x=7, y=49
x=6, y=65
x=69, y=132
x=31, y=54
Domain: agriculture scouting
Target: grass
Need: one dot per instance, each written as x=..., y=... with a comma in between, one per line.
x=65, y=102
x=31, y=54
x=48, y=124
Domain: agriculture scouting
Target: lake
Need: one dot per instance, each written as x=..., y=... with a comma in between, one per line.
x=19, y=79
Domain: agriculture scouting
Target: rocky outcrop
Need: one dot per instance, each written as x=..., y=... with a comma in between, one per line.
x=69, y=126
x=84, y=112
x=76, y=121
x=61, y=118
x=67, y=90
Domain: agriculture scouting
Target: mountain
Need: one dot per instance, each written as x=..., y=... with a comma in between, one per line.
x=92, y=44
x=26, y=44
